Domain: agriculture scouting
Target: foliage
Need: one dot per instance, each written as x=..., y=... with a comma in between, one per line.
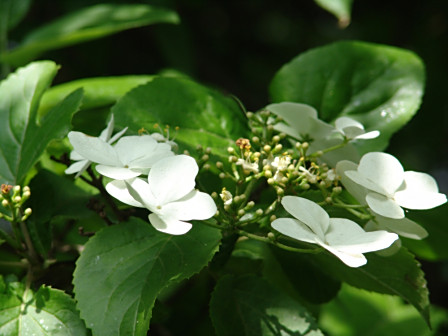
x=186, y=200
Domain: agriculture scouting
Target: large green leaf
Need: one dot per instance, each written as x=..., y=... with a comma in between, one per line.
x=249, y=306
x=380, y=86
x=12, y=12
x=22, y=138
x=98, y=92
x=399, y=274
x=84, y=25
x=123, y=268
x=358, y=312
x=205, y=116
x=340, y=8
x=47, y=312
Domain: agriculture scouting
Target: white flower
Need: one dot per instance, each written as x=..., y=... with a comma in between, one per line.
x=390, y=187
x=248, y=166
x=403, y=227
x=226, y=196
x=169, y=194
x=301, y=122
x=82, y=163
x=280, y=164
x=340, y=236
x=353, y=129
x=131, y=156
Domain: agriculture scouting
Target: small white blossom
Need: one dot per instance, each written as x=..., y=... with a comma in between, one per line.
x=390, y=188
x=353, y=130
x=226, y=196
x=280, y=164
x=248, y=166
x=169, y=194
x=130, y=157
x=340, y=236
x=82, y=163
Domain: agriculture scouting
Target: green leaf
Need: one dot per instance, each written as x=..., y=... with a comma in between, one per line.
x=84, y=25
x=399, y=274
x=248, y=305
x=123, y=268
x=47, y=312
x=205, y=116
x=357, y=312
x=340, y=8
x=13, y=11
x=379, y=86
x=22, y=139
x=98, y=92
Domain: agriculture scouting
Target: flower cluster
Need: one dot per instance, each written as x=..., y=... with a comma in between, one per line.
x=168, y=191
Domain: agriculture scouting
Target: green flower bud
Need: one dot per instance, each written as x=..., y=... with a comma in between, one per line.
x=259, y=212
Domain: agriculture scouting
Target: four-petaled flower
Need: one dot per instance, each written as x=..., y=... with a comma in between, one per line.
x=353, y=130
x=340, y=236
x=82, y=163
x=390, y=187
x=130, y=157
x=169, y=194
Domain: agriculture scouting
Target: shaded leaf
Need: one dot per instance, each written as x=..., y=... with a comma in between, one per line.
x=84, y=25
x=13, y=11
x=205, y=116
x=379, y=86
x=22, y=140
x=47, y=312
x=248, y=305
x=124, y=267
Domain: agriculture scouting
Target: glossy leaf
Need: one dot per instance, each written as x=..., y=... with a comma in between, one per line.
x=377, y=85
x=249, y=306
x=47, y=312
x=124, y=267
x=22, y=138
x=399, y=274
x=13, y=11
x=340, y=8
x=358, y=312
x=205, y=117
x=98, y=92
x=84, y=25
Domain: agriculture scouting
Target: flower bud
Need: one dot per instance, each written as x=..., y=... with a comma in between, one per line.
x=271, y=236
x=208, y=150
x=219, y=165
x=256, y=140
x=249, y=115
x=271, y=181
x=5, y=203
x=305, y=145
x=268, y=173
x=205, y=157
x=249, y=205
x=259, y=212
x=241, y=212
x=17, y=199
x=267, y=148
x=222, y=175
x=230, y=150
x=273, y=218
x=276, y=138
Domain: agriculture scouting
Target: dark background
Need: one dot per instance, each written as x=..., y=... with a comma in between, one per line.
x=238, y=45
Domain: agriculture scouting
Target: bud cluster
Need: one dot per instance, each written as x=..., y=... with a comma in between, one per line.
x=12, y=198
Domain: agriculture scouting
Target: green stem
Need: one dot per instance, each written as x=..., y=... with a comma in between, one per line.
x=342, y=144
x=29, y=244
x=21, y=264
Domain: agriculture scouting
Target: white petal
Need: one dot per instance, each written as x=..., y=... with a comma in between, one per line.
x=419, y=191
x=107, y=132
x=134, y=147
x=160, y=151
x=119, y=190
x=294, y=229
x=355, y=189
x=368, y=135
x=117, y=136
x=344, y=122
x=117, y=173
x=169, y=225
x=348, y=237
x=404, y=227
x=77, y=166
x=94, y=149
x=172, y=178
x=195, y=205
x=141, y=191
x=74, y=155
x=308, y=212
x=350, y=259
x=362, y=181
x=383, y=170
x=384, y=206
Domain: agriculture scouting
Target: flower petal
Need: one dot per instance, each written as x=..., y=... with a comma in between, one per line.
x=384, y=206
x=404, y=227
x=195, y=205
x=172, y=178
x=356, y=190
x=348, y=237
x=134, y=147
x=78, y=167
x=107, y=132
x=350, y=259
x=94, y=149
x=308, y=212
x=294, y=229
x=117, y=173
x=383, y=170
x=119, y=190
x=419, y=191
x=169, y=225
x=140, y=190
x=368, y=135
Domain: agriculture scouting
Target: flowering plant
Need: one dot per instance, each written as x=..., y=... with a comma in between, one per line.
x=269, y=212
